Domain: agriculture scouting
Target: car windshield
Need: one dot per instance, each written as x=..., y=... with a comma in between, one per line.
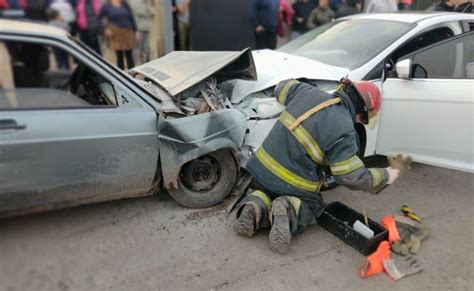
x=347, y=43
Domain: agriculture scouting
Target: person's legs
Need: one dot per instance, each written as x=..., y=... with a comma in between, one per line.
x=289, y=217
x=141, y=52
x=271, y=39
x=130, y=63
x=183, y=35
x=252, y=213
x=120, y=59
x=61, y=57
x=145, y=47
x=91, y=39
x=260, y=40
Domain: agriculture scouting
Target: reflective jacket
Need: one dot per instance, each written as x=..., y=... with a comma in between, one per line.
x=290, y=159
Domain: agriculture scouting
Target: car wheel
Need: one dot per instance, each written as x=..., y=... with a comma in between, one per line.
x=328, y=181
x=206, y=181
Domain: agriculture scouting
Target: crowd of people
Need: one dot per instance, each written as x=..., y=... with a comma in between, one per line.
x=272, y=18
x=124, y=25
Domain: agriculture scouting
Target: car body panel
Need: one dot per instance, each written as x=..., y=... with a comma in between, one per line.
x=53, y=163
x=184, y=139
x=275, y=66
x=438, y=125
x=435, y=127
x=180, y=70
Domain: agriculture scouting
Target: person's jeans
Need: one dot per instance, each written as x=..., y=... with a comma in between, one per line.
x=90, y=39
x=183, y=36
x=266, y=39
x=62, y=59
x=142, y=49
x=121, y=55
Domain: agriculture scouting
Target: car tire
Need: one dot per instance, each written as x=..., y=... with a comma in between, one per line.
x=206, y=181
x=329, y=181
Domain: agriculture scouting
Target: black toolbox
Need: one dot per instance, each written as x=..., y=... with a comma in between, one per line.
x=338, y=219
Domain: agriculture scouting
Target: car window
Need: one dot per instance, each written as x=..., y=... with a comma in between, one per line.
x=39, y=76
x=421, y=41
x=448, y=60
x=339, y=43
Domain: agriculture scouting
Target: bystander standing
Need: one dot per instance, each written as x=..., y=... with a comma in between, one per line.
x=88, y=23
x=285, y=15
x=66, y=10
x=183, y=23
x=302, y=10
x=264, y=18
x=321, y=15
x=451, y=5
x=144, y=12
x=56, y=19
x=120, y=31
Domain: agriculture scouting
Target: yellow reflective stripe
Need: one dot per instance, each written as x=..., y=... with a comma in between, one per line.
x=304, y=138
x=313, y=110
x=265, y=199
x=347, y=166
x=286, y=175
x=377, y=176
x=284, y=91
x=296, y=202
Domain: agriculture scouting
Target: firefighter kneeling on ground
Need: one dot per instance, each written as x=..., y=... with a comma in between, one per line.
x=315, y=130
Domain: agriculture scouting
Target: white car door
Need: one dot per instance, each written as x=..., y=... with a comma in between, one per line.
x=430, y=114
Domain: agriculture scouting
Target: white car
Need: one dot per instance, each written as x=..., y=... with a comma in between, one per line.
x=427, y=109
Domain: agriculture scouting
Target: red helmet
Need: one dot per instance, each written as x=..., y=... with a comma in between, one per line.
x=370, y=93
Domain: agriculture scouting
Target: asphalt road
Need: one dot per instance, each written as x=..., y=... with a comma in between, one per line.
x=153, y=243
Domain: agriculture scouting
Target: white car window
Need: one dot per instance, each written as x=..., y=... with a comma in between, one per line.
x=39, y=76
x=451, y=59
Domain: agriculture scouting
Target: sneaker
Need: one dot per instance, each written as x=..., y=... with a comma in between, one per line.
x=245, y=224
x=280, y=234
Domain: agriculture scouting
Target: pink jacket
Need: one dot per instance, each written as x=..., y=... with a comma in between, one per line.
x=81, y=12
x=285, y=15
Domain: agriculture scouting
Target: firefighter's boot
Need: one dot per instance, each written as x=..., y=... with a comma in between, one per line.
x=280, y=233
x=245, y=224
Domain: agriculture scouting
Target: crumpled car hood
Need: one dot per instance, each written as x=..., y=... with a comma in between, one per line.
x=180, y=70
x=275, y=66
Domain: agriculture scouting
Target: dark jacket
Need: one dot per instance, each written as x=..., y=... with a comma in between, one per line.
x=302, y=10
x=443, y=6
x=349, y=8
x=289, y=161
x=265, y=13
x=118, y=16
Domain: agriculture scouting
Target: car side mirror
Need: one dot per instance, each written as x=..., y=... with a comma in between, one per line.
x=403, y=68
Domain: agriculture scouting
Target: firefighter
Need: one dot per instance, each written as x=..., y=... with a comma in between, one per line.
x=315, y=131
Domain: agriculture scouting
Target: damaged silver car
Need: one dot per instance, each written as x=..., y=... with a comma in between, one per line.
x=88, y=132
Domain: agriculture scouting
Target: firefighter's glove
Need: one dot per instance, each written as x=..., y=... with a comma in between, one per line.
x=400, y=162
x=398, y=267
x=393, y=175
x=411, y=236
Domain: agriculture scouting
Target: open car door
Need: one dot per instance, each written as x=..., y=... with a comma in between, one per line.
x=428, y=109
